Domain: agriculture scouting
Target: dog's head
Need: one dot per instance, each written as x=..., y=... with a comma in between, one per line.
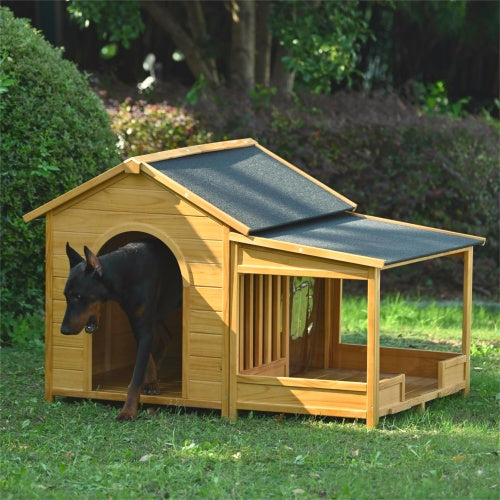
x=84, y=291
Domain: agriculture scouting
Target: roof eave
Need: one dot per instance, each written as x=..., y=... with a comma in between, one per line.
x=308, y=250
x=129, y=166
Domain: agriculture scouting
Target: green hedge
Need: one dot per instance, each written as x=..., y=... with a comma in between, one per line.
x=390, y=158
x=55, y=135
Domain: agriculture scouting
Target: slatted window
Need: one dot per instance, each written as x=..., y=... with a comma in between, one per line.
x=265, y=324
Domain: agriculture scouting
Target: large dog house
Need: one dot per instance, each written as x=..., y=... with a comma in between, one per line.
x=250, y=233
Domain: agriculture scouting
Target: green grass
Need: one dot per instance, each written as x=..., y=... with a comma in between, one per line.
x=74, y=448
x=421, y=323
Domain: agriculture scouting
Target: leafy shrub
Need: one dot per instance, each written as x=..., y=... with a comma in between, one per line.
x=390, y=158
x=146, y=128
x=24, y=331
x=55, y=135
x=434, y=100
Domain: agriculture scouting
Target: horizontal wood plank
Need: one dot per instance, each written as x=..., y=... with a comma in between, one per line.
x=175, y=226
x=209, y=322
x=256, y=259
x=205, y=390
x=75, y=380
x=206, y=345
x=68, y=358
x=299, y=397
x=205, y=369
x=204, y=298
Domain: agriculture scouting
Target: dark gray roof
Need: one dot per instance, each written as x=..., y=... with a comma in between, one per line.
x=252, y=187
x=367, y=237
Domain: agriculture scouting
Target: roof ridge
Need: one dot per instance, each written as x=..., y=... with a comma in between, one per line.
x=297, y=222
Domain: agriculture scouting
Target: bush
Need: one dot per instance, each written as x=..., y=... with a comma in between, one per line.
x=55, y=135
x=147, y=128
x=390, y=158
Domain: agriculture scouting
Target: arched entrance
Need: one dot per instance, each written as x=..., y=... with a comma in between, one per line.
x=113, y=345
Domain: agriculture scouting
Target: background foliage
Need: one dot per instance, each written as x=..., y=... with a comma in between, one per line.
x=142, y=128
x=55, y=135
x=413, y=154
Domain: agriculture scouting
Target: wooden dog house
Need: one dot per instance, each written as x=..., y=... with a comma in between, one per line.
x=245, y=227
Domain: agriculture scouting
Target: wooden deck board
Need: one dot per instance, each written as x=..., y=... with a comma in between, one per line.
x=415, y=386
x=118, y=380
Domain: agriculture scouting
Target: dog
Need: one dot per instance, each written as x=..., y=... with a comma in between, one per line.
x=144, y=278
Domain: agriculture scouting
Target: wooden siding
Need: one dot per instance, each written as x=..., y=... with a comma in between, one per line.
x=138, y=203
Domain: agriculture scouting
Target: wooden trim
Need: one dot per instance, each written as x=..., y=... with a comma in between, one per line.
x=226, y=307
x=144, y=398
x=152, y=230
x=309, y=383
x=235, y=361
x=307, y=250
x=265, y=369
x=132, y=167
x=330, y=411
x=193, y=150
x=467, y=314
x=198, y=201
x=307, y=176
x=73, y=193
x=49, y=309
x=416, y=226
x=373, y=350
x=299, y=271
x=451, y=253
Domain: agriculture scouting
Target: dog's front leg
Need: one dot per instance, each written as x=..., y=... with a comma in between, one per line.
x=144, y=340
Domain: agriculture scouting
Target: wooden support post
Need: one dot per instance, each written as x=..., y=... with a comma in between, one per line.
x=236, y=329
x=373, y=349
x=467, y=315
x=228, y=276
x=49, y=307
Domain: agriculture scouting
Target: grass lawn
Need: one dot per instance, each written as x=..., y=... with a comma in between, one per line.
x=74, y=448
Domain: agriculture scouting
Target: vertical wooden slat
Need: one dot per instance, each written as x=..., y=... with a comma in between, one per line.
x=241, y=334
x=285, y=334
x=328, y=321
x=259, y=320
x=277, y=318
x=268, y=319
x=49, y=306
x=336, y=321
x=249, y=321
x=373, y=349
x=467, y=315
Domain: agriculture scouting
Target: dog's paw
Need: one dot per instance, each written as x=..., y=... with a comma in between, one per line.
x=126, y=416
x=152, y=388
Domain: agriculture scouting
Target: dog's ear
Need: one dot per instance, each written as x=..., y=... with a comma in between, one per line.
x=74, y=257
x=93, y=263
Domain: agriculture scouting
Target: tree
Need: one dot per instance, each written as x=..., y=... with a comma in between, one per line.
x=313, y=43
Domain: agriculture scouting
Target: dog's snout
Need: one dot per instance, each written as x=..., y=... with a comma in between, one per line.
x=65, y=329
